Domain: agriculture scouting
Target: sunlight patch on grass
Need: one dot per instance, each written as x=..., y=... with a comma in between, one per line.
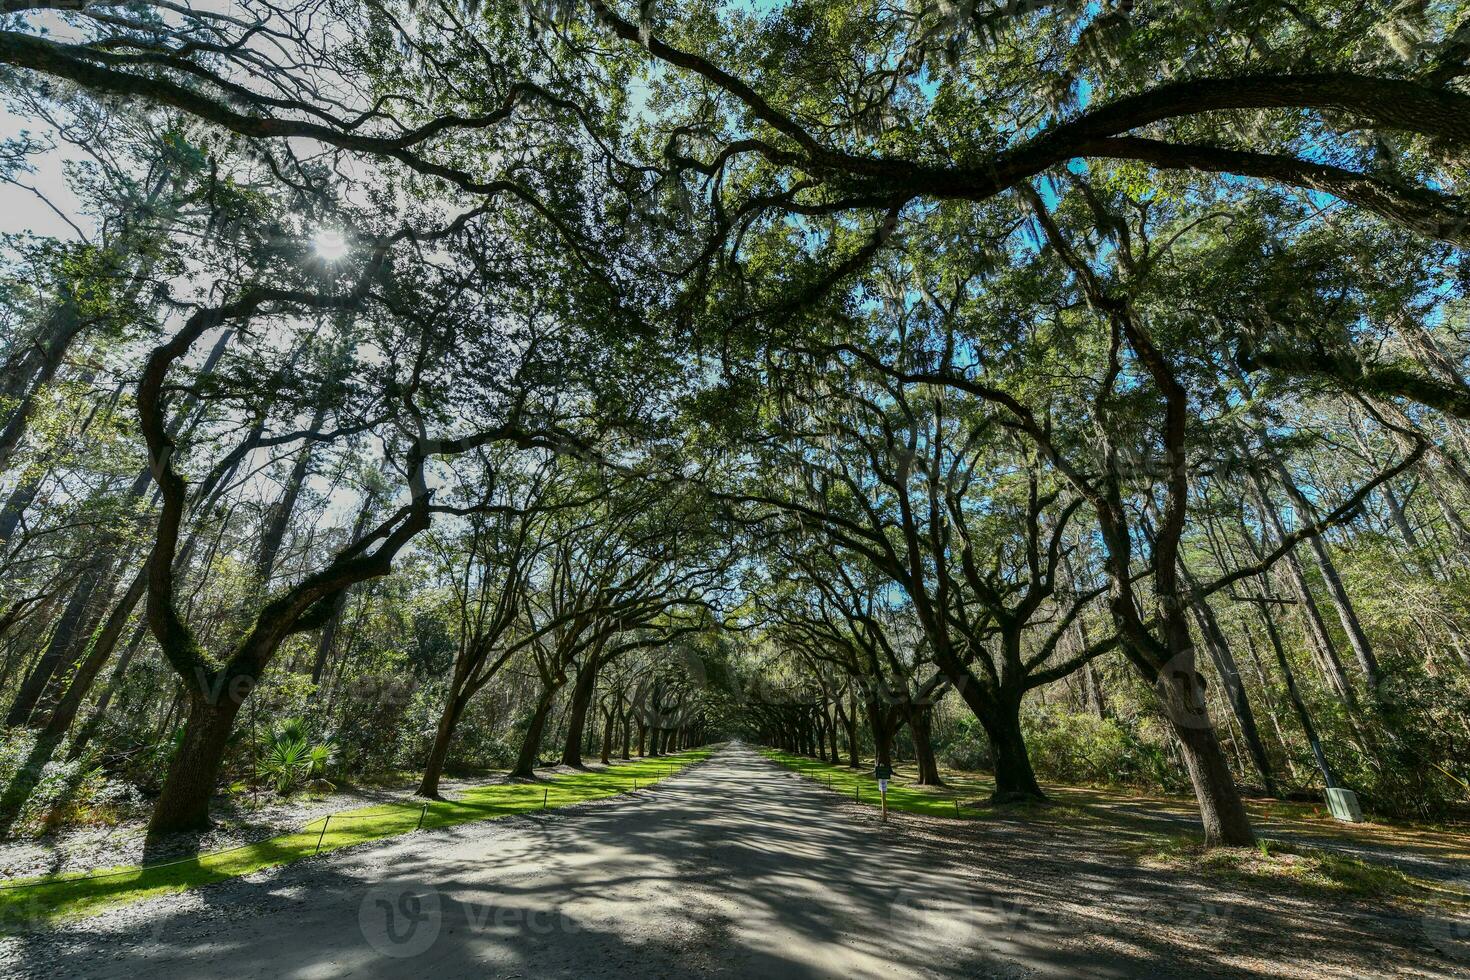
x=29, y=902
x=1277, y=866
x=860, y=786
x=931, y=801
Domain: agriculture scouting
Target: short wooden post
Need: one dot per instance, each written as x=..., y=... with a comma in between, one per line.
x=422, y=812
x=544, y=794
x=319, y=837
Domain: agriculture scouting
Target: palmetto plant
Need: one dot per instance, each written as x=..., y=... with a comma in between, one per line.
x=319, y=758
x=290, y=758
x=287, y=761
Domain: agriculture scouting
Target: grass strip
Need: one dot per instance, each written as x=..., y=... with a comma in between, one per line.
x=860, y=785
x=25, y=903
x=1272, y=866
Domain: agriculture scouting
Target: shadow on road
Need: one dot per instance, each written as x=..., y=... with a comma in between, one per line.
x=734, y=868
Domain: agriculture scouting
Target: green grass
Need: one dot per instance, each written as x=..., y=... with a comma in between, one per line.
x=1274, y=866
x=1292, y=868
x=52, y=898
x=931, y=801
x=969, y=790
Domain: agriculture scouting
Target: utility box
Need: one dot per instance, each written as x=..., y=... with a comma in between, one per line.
x=1344, y=805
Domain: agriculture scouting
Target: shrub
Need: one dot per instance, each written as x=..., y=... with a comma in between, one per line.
x=44, y=797
x=290, y=758
x=970, y=752
x=1067, y=747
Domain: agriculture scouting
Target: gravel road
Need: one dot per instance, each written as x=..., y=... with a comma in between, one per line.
x=732, y=868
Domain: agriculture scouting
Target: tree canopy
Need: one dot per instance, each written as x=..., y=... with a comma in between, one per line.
x=861, y=378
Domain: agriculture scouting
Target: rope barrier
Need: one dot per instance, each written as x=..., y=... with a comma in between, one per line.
x=196, y=858
x=9, y=886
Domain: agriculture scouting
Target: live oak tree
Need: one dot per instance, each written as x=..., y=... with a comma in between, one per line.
x=963, y=347
x=413, y=400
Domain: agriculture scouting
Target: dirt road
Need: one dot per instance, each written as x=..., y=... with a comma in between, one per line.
x=733, y=868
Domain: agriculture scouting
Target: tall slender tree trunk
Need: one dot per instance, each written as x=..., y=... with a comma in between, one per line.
x=327, y=641
x=1263, y=677
x=1327, y=659
x=278, y=518
x=530, y=752
x=454, y=706
x=582, y=691
x=1236, y=696
x=104, y=700
x=17, y=503
x=23, y=380
x=62, y=650
x=607, y=735
x=1092, y=684
x=1346, y=613
x=1294, y=695
x=86, y=673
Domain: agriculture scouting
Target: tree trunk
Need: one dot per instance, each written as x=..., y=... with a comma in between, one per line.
x=61, y=652
x=1294, y=695
x=1015, y=780
x=86, y=673
x=1222, y=812
x=607, y=736
x=17, y=504
x=850, y=718
x=278, y=519
x=443, y=736
x=525, y=766
x=920, y=724
x=1092, y=684
x=1346, y=614
x=27, y=375
x=1328, y=660
x=114, y=681
x=999, y=713
x=882, y=731
x=194, y=769
x=571, y=754
x=1239, y=700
